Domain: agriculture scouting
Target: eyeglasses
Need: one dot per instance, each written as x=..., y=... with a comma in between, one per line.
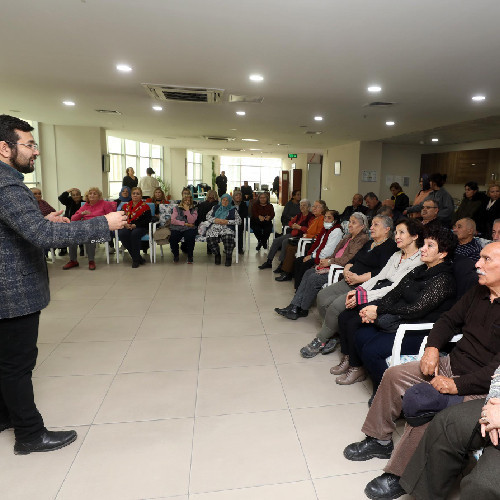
x=427, y=207
x=33, y=145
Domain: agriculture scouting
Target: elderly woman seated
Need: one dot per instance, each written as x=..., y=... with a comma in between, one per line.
x=365, y=263
x=298, y=226
x=221, y=217
x=94, y=206
x=44, y=206
x=182, y=226
x=138, y=219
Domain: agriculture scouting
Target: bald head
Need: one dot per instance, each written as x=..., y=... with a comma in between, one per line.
x=465, y=229
x=488, y=267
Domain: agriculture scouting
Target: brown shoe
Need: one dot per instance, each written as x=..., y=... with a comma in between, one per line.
x=342, y=367
x=70, y=264
x=353, y=375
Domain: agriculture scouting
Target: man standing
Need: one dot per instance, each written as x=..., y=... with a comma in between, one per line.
x=148, y=184
x=221, y=181
x=24, y=286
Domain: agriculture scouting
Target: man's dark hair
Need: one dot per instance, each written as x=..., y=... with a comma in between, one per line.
x=438, y=179
x=371, y=194
x=472, y=185
x=447, y=240
x=295, y=191
x=9, y=125
x=414, y=228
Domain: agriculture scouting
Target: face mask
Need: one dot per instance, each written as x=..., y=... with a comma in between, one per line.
x=327, y=225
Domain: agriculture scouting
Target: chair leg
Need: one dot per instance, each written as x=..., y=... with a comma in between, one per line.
x=106, y=247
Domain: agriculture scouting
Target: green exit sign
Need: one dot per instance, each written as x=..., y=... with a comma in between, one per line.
x=292, y=155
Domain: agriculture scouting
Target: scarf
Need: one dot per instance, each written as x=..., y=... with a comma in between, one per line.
x=124, y=199
x=222, y=212
x=132, y=212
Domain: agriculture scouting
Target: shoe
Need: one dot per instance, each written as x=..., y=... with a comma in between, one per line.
x=278, y=270
x=241, y=252
x=228, y=262
x=190, y=260
x=176, y=258
x=312, y=349
x=136, y=264
x=217, y=259
x=351, y=376
x=70, y=264
x=91, y=265
x=342, y=367
x=266, y=265
x=284, y=277
x=384, y=486
x=62, y=252
x=264, y=245
x=48, y=441
x=330, y=346
x=367, y=449
x=283, y=310
x=111, y=250
x=142, y=261
x=295, y=313
x=258, y=247
x=4, y=426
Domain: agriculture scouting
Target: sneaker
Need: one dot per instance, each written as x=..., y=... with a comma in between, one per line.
x=312, y=349
x=266, y=265
x=70, y=264
x=330, y=346
x=91, y=265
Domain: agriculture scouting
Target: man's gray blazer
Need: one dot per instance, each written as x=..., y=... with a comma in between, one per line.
x=24, y=234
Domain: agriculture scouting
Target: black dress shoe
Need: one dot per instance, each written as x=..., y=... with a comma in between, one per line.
x=283, y=310
x=266, y=265
x=4, y=426
x=367, y=449
x=142, y=261
x=48, y=441
x=384, y=486
x=136, y=264
x=278, y=270
x=258, y=247
x=217, y=260
x=284, y=277
x=228, y=261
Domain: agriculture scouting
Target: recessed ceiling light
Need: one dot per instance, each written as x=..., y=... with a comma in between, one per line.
x=256, y=78
x=250, y=140
x=157, y=108
x=123, y=67
x=241, y=113
x=68, y=103
x=434, y=139
x=390, y=123
x=374, y=88
x=318, y=118
x=254, y=149
x=233, y=129
x=478, y=98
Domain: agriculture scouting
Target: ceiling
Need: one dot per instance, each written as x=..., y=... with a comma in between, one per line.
x=317, y=58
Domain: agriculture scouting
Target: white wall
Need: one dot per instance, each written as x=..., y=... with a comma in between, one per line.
x=370, y=158
x=178, y=171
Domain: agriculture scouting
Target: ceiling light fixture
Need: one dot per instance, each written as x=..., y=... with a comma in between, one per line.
x=250, y=140
x=374, y=88
x=123, y=67
x=390, y=123
x=256, y=78
x=435, y=139
x=318, y=118
x=157, y=108
x=240, y=113
x=478, y=98
x=68, y=103
x=254, y=149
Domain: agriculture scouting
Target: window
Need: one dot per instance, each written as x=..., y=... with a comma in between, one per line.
x=124, y=153
x=194, y=168
x=261, y=171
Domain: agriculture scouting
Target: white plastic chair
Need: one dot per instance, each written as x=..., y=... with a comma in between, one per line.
x=301, y=247
x=334, y=274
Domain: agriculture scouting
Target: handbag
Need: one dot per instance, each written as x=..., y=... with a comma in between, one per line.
x=388, y=323
x=162, y=236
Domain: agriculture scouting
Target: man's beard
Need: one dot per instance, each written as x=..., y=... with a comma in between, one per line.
x=24, y=168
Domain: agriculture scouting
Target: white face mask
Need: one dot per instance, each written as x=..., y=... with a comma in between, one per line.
x=327, y=225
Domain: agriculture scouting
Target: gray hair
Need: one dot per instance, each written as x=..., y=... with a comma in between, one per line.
x=305, y=200
x=496, y=221
x=362, y=219
x=386, y=221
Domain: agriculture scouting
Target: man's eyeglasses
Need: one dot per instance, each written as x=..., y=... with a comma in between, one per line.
x=31, y=145
x=427, y=207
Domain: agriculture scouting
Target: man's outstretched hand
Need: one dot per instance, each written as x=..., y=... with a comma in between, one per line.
x=116, y=220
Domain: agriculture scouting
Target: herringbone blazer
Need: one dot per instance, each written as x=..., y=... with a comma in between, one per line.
x=24, y=234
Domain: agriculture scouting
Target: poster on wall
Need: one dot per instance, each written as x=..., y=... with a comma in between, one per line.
x=369, y=175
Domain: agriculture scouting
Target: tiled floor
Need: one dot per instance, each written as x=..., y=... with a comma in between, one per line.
x=183, y=383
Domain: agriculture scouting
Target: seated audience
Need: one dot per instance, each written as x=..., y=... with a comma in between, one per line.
x=138, y=219
x=425, y=190
x=452, y=435
x=183, y=227
x=466, y=372
x=429, y=212
x=472, y=203
x=357, y=206
x=291, y=209
x=242, y=208
x=495, y=233
x=298, y=225
x=373, y=204
x=124, y=196
x=490, y=211
x=44, y=207
x=367, y=262
x=246, y=191
x=204, y=207
x=94, y=206
x=221, y=217
x=72, y=200
x=261, y=220
x=186, y=191
x=315, y=227
x=421, y=297
x=468, y=246
x=409, y=239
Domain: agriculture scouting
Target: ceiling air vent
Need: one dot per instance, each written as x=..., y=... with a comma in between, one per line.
x=245, y=98
x=219, y=138
x=183, y=94
x=108, y=111
x=379, y=104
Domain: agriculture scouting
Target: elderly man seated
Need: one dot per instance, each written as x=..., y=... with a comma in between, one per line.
x=495, y=234
x=373, y=204
x=468, y=246
x=429, y=213
x=466, y=372
x=357, y=206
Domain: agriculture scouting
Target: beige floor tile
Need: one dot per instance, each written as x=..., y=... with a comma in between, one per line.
x=84, y=358
x=302, y=490
x=274, y=323
x=44, y=351
x=70, y=401
x=38, y=475
x=310, y=384
x=241, y=389
x=218, y=352
x=214, y=307
x=99, y=329
x=122, y=291
x=121, y=307
x=74, y=308
x=149, y=396
x=162, y=355
x=235, y=324
x=76, y=291
x=135, y=461
x=324, y=433
x=175, y=326
x=177, y=304
x=236, y=451
x=52, y=329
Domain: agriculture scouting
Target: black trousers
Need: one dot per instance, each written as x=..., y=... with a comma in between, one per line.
x=262, y=229
x=440, y=457
x=240, y=237
x=18, y=353
x=349, y=322
x=189, y=241
x=299, y=268
x=131, y=240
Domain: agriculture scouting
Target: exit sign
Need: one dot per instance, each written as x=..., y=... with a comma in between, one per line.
x=292, y=155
